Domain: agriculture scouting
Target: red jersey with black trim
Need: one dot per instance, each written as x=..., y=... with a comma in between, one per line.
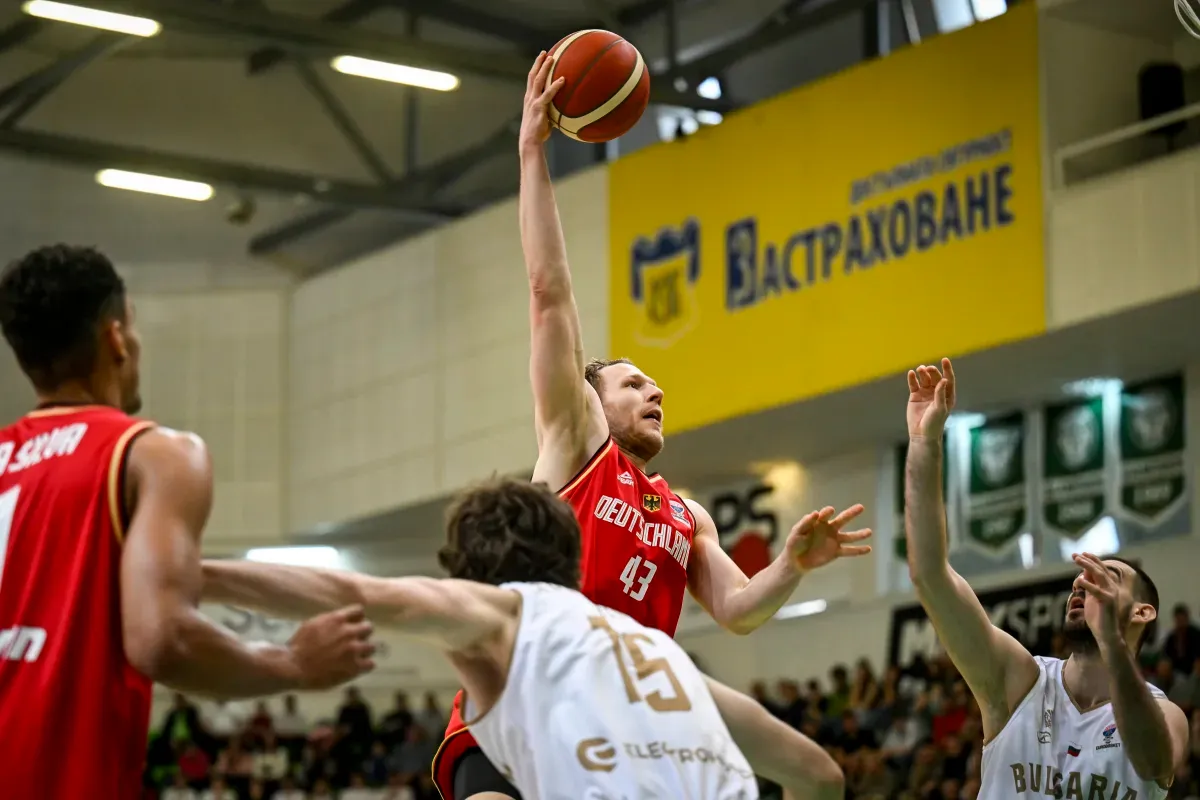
x=73, y=712
x=636, y=541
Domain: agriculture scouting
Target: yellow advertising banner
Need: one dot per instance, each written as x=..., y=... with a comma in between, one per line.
x=838, y=233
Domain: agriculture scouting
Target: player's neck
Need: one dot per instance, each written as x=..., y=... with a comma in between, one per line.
x=73, y=394
x=1086, y=679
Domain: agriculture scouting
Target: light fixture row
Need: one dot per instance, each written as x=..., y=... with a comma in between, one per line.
x=140, y=26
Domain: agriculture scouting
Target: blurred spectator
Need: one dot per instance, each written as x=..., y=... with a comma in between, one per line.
x=949, y=710
x=194, y=764
x=358, y=789
x=874, y=779
x=432, y=718
x=288, y=790
x=899, y=741
x=179, y=789
x=235, y=764
x=260, y=722
x=257, y=790
x=853, y=738
x=354, y=718
x=813, y=699
x=291, y=724
x=864, y=691
x=270, y=761
x=791, y=705
x=397, y=790
x=394, y=727
x=321, y=790
x=182, y=723
x=414, y=756
x=1186, y=691
x=218, y=790
x=375, y=768
x=1164, y=674
x=838, y=699
x=224, y=720
x=1182, y=645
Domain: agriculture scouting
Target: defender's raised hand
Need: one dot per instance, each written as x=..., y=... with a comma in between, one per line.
x=333, y=648
x=930, y=399
x=818, y=538
x=535, y=122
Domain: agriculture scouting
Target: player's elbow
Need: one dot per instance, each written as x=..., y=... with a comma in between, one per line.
x=155, y=651
x=826, y=780
x=549, y=289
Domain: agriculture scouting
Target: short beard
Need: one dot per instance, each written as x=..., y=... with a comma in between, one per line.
x=640, y=447
x=1079, y=638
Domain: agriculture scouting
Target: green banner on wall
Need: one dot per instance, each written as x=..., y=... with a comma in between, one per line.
x=1073, y=466
x=996, y=501
x=1152, y=448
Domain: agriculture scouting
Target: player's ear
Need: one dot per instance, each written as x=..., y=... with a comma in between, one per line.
x=1144, y=613
x=112, y=334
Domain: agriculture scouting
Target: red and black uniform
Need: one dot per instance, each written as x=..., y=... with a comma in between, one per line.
x=73, y=713
x=636, y=540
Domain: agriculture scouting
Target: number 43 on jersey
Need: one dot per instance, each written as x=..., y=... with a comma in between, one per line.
x=637, y=576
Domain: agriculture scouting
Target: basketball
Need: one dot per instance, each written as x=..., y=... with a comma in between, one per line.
x=606, y=87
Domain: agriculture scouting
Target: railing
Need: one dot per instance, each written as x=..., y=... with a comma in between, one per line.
x=1120, y=135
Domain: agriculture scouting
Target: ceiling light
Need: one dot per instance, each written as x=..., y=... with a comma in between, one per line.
x=92, y=18
x=154, y=184
x=315, y=556
x=395, y=73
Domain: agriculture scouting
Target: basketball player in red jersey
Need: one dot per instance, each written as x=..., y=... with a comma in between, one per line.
x=598, y=426
x=100, y=523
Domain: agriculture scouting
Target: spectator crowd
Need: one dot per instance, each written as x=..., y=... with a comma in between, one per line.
x=228, y=751
x=912, y=733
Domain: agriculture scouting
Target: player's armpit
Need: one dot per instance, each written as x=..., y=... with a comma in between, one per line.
x=775, y=750
x=568, y=417
x=169, y=489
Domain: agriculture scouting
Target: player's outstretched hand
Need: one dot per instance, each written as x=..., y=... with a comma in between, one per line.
x=535, y=121
x=333, y=648
x=931, y=397
x=818, y=538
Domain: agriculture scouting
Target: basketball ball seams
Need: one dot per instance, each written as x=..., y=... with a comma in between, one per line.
x=608, y=86
x=555, y=53
x=583, y=73
x=573, y=125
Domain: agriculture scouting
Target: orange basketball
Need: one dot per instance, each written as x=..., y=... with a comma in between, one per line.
x=607, y=86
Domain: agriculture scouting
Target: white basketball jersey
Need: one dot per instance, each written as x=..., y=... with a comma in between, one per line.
x=599, y=707
x=1050, y=748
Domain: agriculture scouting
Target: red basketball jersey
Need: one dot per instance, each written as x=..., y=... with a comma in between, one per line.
x=637, y=536
x=73, y=712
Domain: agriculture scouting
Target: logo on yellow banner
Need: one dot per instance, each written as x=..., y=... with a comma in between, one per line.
x=663, y=275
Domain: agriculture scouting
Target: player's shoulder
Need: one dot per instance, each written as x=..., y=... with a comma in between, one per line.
x=168, y=449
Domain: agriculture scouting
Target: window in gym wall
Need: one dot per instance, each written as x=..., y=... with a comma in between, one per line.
x=674, y=121
x=955, y=14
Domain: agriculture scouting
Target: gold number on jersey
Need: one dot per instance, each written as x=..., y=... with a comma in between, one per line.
x=643, y=668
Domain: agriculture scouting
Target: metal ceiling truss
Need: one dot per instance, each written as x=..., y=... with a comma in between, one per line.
x=272, y=39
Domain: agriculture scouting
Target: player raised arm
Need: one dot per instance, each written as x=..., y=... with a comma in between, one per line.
x=740, y=604
x=997, y=668
x=451, y=614
x=776, y=751
x=169, y=489
x=567, y=414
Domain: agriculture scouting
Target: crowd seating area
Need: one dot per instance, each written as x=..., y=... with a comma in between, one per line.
x=913, y=733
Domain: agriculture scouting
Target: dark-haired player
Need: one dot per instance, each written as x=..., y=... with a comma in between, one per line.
x=598, y=426
x=569, y=699
x=100, y=523
x=1087, y=727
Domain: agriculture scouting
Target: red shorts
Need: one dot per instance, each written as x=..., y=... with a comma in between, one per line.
x=457, y=743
